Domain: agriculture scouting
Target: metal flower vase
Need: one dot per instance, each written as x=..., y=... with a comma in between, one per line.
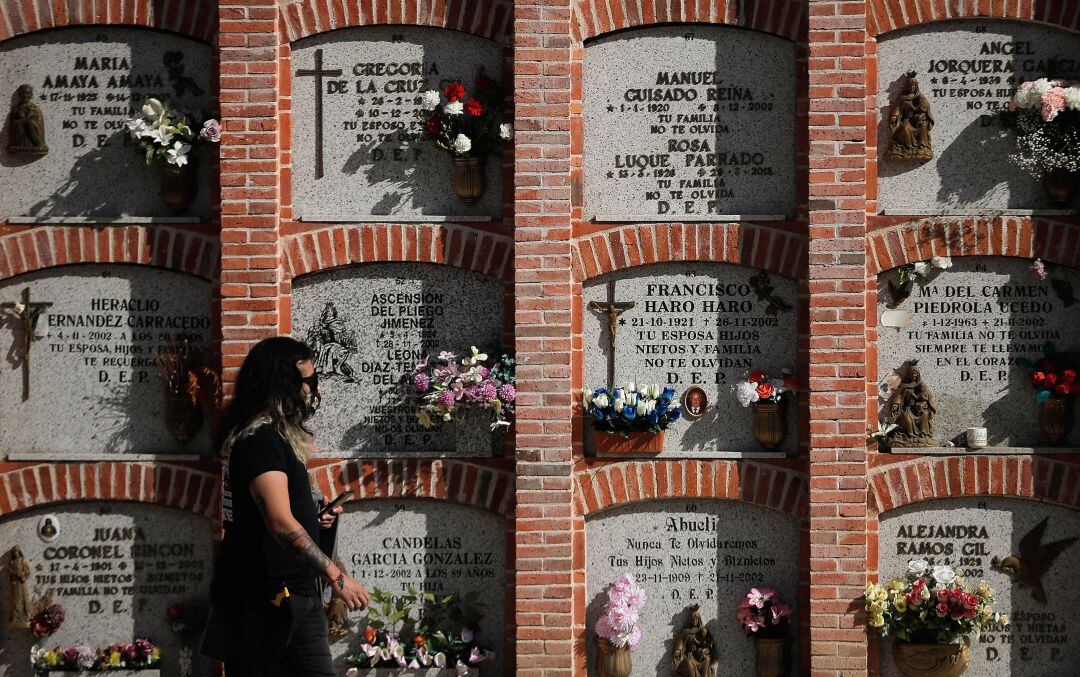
x=770, y=424
x=183, y=416
x=612, y=661
x=930, y=660
x=179, y=185
x=1056, y=418
x=771, y=656
x=470, y=179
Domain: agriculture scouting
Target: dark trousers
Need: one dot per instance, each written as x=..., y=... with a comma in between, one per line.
x=286, y=641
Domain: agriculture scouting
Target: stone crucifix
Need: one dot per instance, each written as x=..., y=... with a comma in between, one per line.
x=27, y=313
x=318, y=73
x=612, y=309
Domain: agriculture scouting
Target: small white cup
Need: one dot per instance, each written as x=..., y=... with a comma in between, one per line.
x=976, y=438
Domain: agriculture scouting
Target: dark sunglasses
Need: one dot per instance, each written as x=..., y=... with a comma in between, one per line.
x=312, y=381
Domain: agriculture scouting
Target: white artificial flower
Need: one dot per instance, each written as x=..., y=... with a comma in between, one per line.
x=440, y=660
x=153, y=109
x=631, y=399
x=586, y=396
x=506, y=130
x=654, y=391
x=454, y=108
x=921, y=268
x=352, y=672
x=601, y=401
x=462, y=144
x=1042, y=86
x=943, y=574
x=643, y=389
x=477, y=356
x=917, y=567
x=630, y=386
x=746, y=392
x=161, y=135
x=137, y=127
x=941, y=262
x=429, y=100
x=177, y=155
x=1072, y=98
x=619, y=404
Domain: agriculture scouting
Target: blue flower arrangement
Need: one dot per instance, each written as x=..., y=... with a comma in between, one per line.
x=631, y=409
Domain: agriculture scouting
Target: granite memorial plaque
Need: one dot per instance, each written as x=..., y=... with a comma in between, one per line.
x=969, y=71
x=433, y=546
x=689, y=123
x=967, y=326
x=92, y=365
x=87, y=83
x=686, y=552
x=369, y=325
x=353, y=158
x=971, y=534
x=696, y=324
x=115, y=567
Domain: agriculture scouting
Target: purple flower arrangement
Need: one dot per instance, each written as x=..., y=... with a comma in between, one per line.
x=618, y=625
x=445, y=386
x=763, y=613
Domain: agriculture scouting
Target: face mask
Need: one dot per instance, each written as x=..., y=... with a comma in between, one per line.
x=311, y=403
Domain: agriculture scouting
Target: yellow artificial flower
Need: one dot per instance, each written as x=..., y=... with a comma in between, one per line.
x=900, y=603
x=155, y=654
x=52, y=658
x=875, y=593
x=114, y=658
x=984, y=590
x=876, y=607
x=876, y=620
x=897, y=585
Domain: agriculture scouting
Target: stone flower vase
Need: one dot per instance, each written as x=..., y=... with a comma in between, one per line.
x=1056, y=418
x=770, y=424
x=930, y=660
x=1060, y=185
x=183, y=418
x=470, y=179
x=771, y=656
x=613, y=661
x=634, y=444
x=179, y=185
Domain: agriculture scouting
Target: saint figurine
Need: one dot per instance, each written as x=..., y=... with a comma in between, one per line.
x=911, y=408
x=910, y=123
x=694, y=650
x=26, y=125
x=18, y=577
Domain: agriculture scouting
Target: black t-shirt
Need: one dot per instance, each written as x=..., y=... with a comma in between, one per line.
x=251, y=565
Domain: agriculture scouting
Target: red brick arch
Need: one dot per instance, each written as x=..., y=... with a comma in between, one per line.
x=46, y=246
x=1024, y=237
x=166, y=484
x=923, y=479
x=615, y=484
x=777, y=251
x=492, y=19
x=340, y=245
x=888, y=15
x=779, y=17
x=193, y=18
x=457, y=482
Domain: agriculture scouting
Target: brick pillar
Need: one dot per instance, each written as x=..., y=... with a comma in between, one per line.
x=249, y=177
x=837, y=194
x=543, y=309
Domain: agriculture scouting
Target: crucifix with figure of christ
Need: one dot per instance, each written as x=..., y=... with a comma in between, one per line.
x=318, y=73
x=27, y=313
x=612, y=309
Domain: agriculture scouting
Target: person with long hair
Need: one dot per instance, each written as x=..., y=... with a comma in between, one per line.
x=265, y=592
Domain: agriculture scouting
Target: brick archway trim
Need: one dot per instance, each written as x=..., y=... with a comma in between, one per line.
x=889, y=15
x=458, y=482
x=1022, y=237
x=616, y=484
x=491, y=19
x=47, y=246
x=597, y=17
x=165, y=484
x=776, y=251
x=333, y=246
x=1039, y=478
x=193, y=18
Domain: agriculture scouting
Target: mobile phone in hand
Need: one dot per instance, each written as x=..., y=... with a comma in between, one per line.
x=344, y=496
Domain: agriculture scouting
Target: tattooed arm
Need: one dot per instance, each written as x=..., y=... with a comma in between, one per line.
x=271, y=493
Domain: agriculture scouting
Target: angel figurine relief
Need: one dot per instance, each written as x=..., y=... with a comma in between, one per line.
x=910, y=123
x=911, y=408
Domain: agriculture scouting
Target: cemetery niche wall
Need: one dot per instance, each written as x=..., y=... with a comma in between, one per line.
x=689, y=123
x=116, y=568
x=91, y=361
x=976, y=535
x=86, y=82
x=369, y=325
x=967, y=70
x=355, y=157
x=687, y=552
x=695, y=325
x=971, y=326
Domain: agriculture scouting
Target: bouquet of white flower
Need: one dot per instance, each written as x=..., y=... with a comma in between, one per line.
x=163, y=134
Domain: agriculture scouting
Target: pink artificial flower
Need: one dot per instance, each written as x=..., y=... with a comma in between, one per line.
x=1012, y=105
x=634, y=637
x=1025, y=86
x=780, y=612
x=943, y=594
x=941, y=610
x=1053, y=103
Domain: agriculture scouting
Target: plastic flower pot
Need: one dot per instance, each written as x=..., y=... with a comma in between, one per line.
x=179, y=185
x=611, y=660
x=930, y=660
x=634, y=444
x=1060, y=185
x=1056, y=418
x=470, y=179
x=770, y=424
x=771, y=656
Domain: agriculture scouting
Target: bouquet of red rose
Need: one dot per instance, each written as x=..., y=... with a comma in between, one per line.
x=1054, y=374
x=464, y=123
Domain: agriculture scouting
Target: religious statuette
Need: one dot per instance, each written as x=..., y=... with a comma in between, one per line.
x=26, y=125
x=26, y=314
x=1028, y=568
x=910, y=123
x=19, y=576
x=695, y=402
x=611, y=309
x=694, y=651
x=911, y=408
